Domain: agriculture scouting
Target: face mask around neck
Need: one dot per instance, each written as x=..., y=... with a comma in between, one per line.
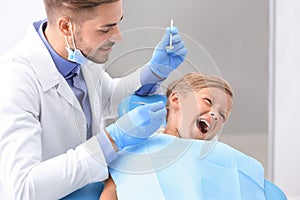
x=74, y=55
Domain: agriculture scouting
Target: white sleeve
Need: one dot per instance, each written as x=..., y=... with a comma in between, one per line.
x=23, y=173
x=53, y=178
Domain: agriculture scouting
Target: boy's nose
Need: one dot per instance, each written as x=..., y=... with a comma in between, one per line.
x=213, y=115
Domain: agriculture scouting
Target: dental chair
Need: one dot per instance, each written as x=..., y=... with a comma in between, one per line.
x=93, y=191
x=273, y=192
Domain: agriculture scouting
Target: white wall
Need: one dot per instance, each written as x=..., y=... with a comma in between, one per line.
x=15, y=17
x=285, y=68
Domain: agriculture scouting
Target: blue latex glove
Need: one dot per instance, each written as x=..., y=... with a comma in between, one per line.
x=164, y=61
x=138, y=124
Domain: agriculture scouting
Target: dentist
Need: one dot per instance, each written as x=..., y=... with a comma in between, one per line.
x=55, y=96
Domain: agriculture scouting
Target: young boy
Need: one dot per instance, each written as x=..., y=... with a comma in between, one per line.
x=182, y=161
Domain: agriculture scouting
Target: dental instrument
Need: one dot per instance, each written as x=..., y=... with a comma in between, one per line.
x=143, y=103
x=171, y=37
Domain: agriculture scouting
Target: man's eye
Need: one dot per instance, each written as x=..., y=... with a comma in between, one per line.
x=104, y=30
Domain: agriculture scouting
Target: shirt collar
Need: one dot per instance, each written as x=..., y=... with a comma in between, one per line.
x=65, y=67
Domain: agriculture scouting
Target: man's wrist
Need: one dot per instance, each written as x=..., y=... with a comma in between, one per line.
x=148, y=75
x=111, y=140
x=160, y=71
x=108, y=146
x=156, y=75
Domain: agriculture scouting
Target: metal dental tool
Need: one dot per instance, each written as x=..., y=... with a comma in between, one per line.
x=142, y=103
x=171, y=37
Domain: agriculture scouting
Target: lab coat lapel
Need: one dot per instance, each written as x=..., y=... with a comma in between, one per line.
x=50, y=77
x=92, y=74
x=45, y=68
x=65, y=92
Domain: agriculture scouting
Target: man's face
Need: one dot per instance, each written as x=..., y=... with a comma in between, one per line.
x=95, y=37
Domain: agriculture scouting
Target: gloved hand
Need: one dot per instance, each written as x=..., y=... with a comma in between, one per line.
x=163, y=60
x=137, y=125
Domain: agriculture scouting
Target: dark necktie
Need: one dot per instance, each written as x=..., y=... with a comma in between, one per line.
x=79, y=88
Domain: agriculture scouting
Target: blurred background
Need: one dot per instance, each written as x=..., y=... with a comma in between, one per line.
x=253, y=44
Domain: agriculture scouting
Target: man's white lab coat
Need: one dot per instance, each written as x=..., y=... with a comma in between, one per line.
x=43, y=149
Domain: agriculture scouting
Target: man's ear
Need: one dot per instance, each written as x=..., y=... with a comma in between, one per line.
x=174, y=100
x=65, y=26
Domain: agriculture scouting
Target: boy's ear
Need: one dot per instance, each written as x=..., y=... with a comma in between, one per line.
x=174, y=100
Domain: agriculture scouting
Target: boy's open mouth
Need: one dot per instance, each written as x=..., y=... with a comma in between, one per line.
x=203, y=125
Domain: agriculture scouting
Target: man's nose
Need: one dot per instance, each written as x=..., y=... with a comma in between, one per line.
x=117, y=35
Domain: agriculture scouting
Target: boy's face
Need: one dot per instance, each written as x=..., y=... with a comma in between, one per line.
x=203, y=113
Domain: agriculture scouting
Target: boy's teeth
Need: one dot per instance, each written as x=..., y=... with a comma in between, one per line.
x=203, y=125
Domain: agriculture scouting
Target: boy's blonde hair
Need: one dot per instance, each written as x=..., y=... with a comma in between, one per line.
x=193, y=82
